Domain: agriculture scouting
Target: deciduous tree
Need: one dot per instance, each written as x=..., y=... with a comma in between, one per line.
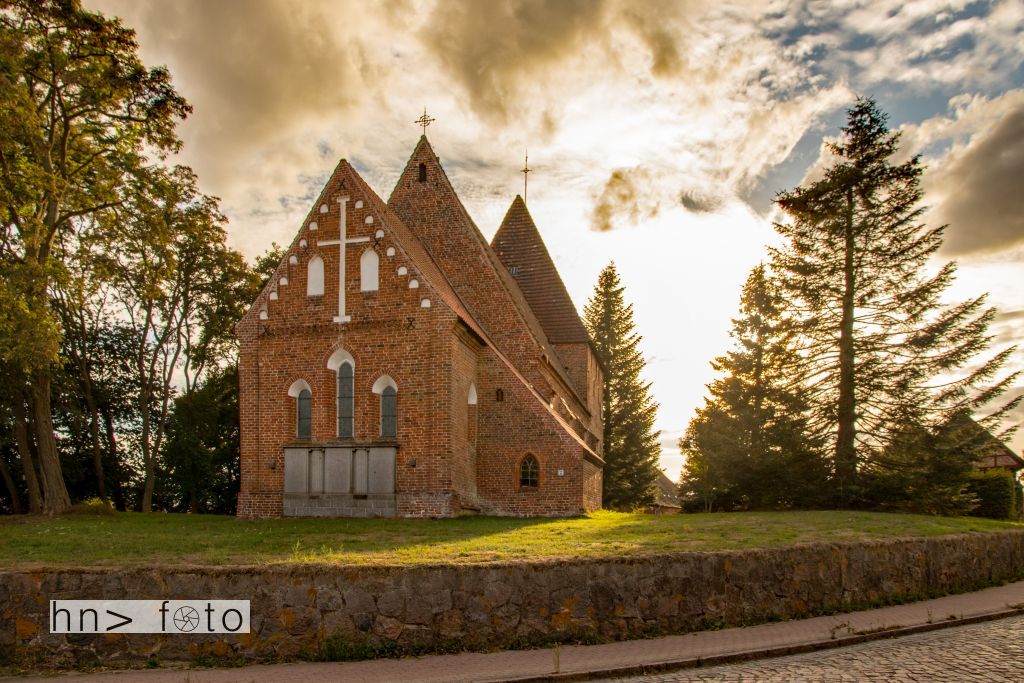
x=78, y=111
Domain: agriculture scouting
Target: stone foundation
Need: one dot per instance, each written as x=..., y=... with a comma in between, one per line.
x=299, y=611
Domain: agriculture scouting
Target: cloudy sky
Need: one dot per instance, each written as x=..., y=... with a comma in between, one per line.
x=658, y=130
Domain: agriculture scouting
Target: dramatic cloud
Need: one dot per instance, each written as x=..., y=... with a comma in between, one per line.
x=982, y=186
x=258, y=73
x=492, y=48
x=627, y=198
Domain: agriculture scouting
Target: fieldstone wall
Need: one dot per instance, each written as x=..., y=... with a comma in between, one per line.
x=303, y=611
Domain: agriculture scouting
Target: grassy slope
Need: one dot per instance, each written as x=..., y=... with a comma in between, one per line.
x=95, y=540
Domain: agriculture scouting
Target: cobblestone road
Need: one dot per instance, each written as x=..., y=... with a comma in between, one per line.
x=990, y=651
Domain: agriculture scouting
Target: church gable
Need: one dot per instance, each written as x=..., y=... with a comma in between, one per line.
x=348, y=236
x=426, y=202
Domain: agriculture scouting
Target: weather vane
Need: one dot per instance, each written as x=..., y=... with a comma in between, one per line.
x=424, y=120
x=526, y=171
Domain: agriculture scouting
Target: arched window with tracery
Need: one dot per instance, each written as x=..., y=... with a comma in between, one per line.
x=529, y=473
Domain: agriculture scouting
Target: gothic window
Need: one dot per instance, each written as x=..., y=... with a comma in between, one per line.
x=389, y=413
x=346, y=400
x=315, y=277
x=305, y=414
x=303, y=396
x=529, y=472
x=369, y=267
x=386, y=388
x=499, y=395
x=423, y=173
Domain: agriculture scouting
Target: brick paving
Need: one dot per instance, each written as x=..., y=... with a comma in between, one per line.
x=990, y=651
x=660, y=654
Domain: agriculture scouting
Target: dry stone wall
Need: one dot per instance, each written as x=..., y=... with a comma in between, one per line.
x=303, y=611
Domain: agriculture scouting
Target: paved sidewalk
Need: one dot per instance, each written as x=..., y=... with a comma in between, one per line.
x=616, y=659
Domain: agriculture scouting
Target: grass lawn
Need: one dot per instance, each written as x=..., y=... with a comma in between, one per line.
x=118, y=539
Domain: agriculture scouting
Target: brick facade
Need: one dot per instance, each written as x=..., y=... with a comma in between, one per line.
x=479, y=385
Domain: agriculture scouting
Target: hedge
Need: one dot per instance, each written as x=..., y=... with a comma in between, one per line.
x=996, y=491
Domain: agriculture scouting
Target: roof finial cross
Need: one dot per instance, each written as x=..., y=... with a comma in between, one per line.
x=526, y=170
x=424, y=120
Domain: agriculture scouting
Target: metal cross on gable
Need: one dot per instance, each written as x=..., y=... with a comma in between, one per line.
x=526, y=170
x=424, y=120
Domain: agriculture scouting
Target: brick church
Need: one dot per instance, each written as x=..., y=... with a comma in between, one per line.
x=396, y=364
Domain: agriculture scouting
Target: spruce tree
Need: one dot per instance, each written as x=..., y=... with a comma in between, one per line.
x=880, y=352
x=631, y=447
x=749, y=445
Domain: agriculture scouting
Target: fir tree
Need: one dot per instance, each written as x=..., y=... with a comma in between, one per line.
x=879, y=352
x=748, y=447
x=631, y=447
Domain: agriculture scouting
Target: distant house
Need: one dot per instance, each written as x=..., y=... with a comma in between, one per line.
x=990, y=452
x=668, y=497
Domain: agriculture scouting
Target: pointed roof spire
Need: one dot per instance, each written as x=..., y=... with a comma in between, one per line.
x=519, y=246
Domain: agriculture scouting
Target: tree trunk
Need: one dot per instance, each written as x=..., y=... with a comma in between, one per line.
x=11, y=487
x=846, y=455
x=55, y=494
x=108, y=423
x=94, y=435
x=28, y=465
x=146, y=504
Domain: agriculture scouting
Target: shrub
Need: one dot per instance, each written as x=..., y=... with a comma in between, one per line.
x=996, y=492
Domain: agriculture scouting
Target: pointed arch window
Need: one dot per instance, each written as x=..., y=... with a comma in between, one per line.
x=315, y=277
x=386, y=388
x=369, y=271
x=422, y=177
x=346, y=400
x=389, y=413
x=342, y=363
x=303, y=395
x=305, y=414
x=529, y=473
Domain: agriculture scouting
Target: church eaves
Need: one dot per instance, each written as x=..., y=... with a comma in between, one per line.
x=521, y=249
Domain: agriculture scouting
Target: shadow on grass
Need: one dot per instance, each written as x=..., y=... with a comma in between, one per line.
x=119, y=539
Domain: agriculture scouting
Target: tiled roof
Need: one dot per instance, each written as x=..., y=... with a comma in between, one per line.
x=519, y=246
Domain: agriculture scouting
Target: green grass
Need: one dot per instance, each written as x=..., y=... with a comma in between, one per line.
x=119, y=539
